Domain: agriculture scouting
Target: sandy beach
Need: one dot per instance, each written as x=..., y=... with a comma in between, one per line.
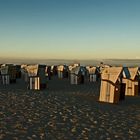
x=69, y=70
x=65, y=112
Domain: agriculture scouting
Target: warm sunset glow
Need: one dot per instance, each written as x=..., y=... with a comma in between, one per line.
x=70, y=29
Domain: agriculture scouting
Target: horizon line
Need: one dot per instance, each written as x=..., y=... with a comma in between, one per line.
x=72, y=59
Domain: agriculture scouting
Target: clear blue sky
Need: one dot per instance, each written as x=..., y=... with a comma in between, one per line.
x=70, y=29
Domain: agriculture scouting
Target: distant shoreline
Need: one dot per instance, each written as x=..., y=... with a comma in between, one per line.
x=113, y=62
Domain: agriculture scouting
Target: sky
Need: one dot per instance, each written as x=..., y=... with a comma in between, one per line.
x=70, y=29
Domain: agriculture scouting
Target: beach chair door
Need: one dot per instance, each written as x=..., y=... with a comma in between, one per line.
x=122, y=91
x=136, y=90
x=139, y=87
x=108, y=92
x=80, y=79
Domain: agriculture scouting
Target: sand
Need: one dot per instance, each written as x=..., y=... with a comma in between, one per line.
x=65, y=112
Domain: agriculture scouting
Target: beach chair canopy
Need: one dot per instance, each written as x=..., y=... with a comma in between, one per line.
x=133, y=72
x=111, y=73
